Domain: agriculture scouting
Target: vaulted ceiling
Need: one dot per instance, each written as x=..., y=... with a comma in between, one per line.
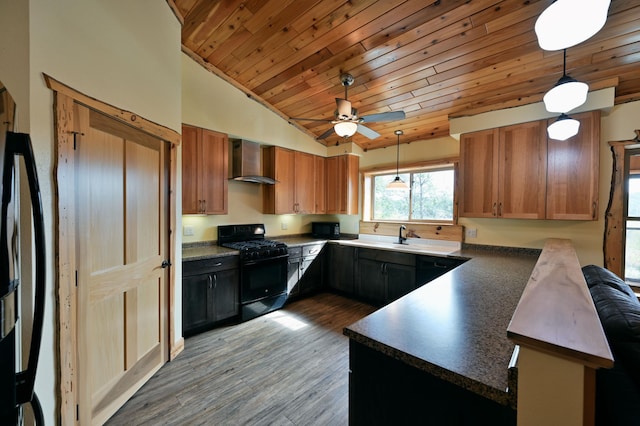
x=434, y=61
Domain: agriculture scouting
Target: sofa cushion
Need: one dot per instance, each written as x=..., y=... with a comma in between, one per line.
x=619, y=312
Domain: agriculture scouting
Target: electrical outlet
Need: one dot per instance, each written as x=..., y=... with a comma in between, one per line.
x=283, y=225
x=471, y=232
x=187, y=231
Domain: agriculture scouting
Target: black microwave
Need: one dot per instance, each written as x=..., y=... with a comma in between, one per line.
x=328, y=230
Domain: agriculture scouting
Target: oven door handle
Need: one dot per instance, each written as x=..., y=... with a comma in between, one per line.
x=267, y=259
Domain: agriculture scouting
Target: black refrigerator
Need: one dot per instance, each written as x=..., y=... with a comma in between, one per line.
x=16, y=387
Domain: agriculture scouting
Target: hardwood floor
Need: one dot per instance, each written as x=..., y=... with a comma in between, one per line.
x=289, y=367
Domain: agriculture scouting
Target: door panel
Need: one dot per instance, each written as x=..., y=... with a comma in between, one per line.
x=121, y=228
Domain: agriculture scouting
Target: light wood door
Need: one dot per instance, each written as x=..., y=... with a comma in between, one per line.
x=573, y=170
x=121, y=244
x=304, y=183
x=279, y=164
x=342, y=184
x=191, y=201
x=522, y=171
x=479, y=174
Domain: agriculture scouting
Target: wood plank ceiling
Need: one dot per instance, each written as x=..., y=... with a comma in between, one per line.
x=433, y=61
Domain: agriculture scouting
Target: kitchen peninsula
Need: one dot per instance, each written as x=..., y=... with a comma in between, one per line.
x=441, y=353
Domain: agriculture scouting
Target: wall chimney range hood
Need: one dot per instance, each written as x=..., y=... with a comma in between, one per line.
x=246, y=162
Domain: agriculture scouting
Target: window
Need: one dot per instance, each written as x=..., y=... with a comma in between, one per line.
x=632, y=222
x=429, y=200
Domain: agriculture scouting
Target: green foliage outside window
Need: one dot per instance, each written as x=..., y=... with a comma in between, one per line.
x=430, y=198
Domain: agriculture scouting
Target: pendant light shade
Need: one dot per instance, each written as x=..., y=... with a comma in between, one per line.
x=397, y=183
x=567, y=94
x=563, y=128
x=345, y=128
x=566, y=23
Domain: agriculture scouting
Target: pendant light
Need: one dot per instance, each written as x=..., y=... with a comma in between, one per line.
x=567, y=94
x=397, y=183
x=566, y=23
x=563, y=128
x=345, y=128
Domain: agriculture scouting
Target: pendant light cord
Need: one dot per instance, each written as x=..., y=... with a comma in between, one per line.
x=398, y=156
x=564, y=63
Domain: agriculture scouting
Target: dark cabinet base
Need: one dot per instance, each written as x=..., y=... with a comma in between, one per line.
x=383, y=390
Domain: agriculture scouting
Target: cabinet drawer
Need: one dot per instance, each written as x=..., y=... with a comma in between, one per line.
x=295, y=252
x=387, y=256
x=215, y=264
x=312, y=250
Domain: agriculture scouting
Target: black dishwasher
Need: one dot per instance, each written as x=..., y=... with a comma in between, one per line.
x=429, y=268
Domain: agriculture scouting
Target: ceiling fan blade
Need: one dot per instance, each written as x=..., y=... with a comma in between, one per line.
x=344, y=108
x=310, y=119
x=371, y=134
x=326, y=134
x=383, y=116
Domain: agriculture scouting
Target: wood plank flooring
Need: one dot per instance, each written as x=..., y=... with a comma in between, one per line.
x=289, y=367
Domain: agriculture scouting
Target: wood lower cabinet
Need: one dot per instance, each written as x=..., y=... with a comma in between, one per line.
x=384, y=276
x=306, y=270
x=342, y=184
x=573, y=170
x=210, y=292
x=341, y=266
x=294, y=191
x=204, y=171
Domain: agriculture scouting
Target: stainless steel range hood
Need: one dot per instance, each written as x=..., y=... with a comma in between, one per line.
x=245, y=162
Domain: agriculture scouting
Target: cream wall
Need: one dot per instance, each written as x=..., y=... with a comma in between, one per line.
x=120, y=52
x=211, y=103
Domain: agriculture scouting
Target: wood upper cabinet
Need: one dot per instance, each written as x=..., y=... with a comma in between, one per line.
x=204, y=171
x=522, y=170
x=342, y=184
x=503, y=172
x=573, y=168
x=518, y=172
x=321, y=184
x=294, y=190
x=479, y=174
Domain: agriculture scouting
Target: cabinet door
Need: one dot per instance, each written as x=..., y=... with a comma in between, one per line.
x=479, y=174
x=190, y=197
x=371, y=281
x=342, y=184
x=573, y=168
x=522, y=171
x=293, y=276
x=312, y=276
x=401, y=279
x=226, y=298
x=213, y=171
x=304, y=183
x=341, y=272
x=279, y=164
x=197, y=308
x=320, y=184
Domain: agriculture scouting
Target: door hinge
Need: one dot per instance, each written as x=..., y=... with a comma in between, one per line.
x=76, y=278
x=77, y=412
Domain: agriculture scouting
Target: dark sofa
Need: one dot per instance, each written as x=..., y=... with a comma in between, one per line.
x=617, y=389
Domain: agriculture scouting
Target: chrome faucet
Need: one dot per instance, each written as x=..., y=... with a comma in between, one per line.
x=401, y=239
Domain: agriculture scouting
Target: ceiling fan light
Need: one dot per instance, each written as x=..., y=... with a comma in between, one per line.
x=563, y=128
x=345, y=128
x=397, y=184
x=566, y=95
x=566, y=23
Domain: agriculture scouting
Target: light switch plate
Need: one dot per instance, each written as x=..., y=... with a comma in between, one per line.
x=187, y=231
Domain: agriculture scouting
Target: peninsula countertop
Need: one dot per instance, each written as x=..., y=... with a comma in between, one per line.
x=455, y=327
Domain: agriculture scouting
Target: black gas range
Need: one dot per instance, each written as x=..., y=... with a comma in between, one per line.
x=263, y=268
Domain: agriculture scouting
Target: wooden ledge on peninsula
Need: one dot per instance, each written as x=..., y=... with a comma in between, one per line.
x=561, y=342
x=556, y=314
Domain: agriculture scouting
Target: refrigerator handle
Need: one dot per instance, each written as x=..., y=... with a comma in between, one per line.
x=20, y=143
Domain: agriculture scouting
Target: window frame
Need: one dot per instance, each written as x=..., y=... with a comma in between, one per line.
x=422, y=167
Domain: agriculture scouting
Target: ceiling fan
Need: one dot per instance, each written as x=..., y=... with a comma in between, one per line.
x=347, y=121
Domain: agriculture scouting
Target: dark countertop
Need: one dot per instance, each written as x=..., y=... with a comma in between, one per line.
x=455, y=327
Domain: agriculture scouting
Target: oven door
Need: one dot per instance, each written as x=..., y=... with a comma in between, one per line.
x=263, y=278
